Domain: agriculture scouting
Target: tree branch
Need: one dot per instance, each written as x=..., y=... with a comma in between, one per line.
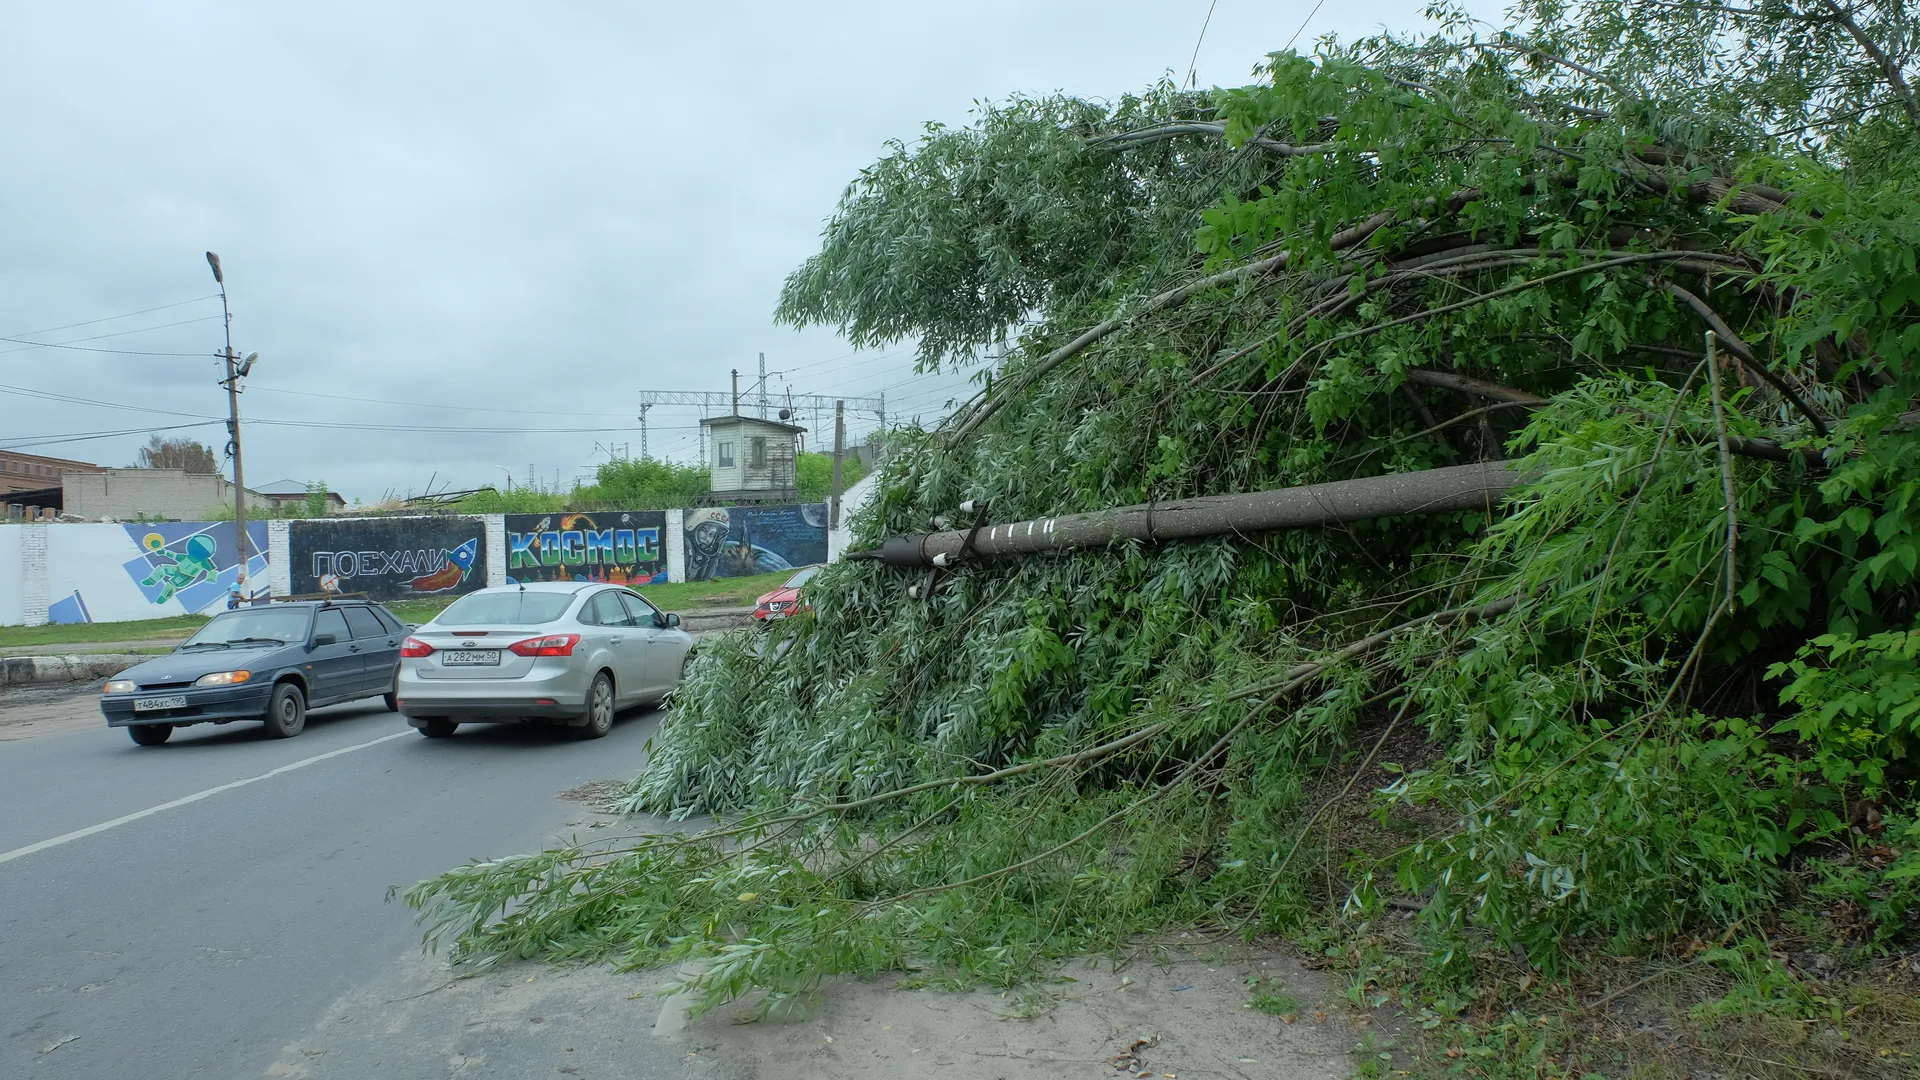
x=1739, y=348
x=1888, y=69
x=1161, y=132
x=1469, y=385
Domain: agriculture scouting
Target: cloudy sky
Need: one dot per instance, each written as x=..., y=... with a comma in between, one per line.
x=466, y=236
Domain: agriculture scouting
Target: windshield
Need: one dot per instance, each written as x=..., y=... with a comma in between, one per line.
x=265, y=624
x=508, y=607
x=801, y=578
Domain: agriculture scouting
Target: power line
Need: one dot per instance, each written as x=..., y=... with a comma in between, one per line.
x=1304, y=22
x=83, y=348
x=47, y=395
x=427, y=404
x=97, y=337
x=111, y=318
x=84, y=436
x=1193, y=65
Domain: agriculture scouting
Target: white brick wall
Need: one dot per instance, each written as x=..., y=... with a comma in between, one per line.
x=33, y=574
x=676, y=555
x=496, y=530
x=279, y=559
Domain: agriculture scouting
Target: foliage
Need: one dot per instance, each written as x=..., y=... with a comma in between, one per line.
x=645, y=484
x=813, y=475
x=518, y=501
x=187, y=455
x=1289, y=283
x=317, y=498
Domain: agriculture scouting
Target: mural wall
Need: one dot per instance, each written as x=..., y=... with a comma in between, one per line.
x=387, y=558
x=623, y=547
x=115, y=573
x=737, y=541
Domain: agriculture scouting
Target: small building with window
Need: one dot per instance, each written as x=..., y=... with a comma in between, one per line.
x=752, y=460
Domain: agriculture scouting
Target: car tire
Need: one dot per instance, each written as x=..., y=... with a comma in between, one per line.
x=598, y=710
x=438, y=727
x=286, y=712
x=150, y=734
x=392, y=697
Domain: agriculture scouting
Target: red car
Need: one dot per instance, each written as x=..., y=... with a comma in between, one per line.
x=785, y=600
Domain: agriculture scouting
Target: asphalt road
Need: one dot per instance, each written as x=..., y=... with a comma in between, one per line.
x=216, y=907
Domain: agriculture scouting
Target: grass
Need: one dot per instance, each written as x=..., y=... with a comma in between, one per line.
x=178, y=626
x=726, y=592
x=678, y=596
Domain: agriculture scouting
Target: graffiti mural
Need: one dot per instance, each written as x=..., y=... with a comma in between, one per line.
x=738, y=541
x=386, y=558
x=164, y=568
x=622, y=547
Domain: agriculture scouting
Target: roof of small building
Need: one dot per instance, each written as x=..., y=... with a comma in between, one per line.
x=730, y=419
x=282, y=487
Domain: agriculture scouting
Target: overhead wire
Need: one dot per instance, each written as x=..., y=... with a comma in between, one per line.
x=98, y=337
x=111, y=318
x=83, y=348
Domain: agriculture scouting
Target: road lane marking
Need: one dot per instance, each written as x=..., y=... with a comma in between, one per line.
x=78, y=834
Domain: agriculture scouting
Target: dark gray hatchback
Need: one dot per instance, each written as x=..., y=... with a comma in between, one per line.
x=269, y=664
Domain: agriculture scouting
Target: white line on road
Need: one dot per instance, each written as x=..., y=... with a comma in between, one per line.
x=77, y=834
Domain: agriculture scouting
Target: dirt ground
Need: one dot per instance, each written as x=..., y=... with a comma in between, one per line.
x=1183, y=1014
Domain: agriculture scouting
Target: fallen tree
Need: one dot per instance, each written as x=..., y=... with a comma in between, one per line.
x=1645, y=676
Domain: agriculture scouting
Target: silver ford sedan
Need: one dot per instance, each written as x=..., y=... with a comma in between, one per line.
x=567, y=652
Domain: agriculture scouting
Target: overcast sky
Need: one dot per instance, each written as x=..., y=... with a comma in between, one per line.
x=491, y=216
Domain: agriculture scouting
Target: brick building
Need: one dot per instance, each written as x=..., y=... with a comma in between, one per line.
x=36, y=472
x=171, y=494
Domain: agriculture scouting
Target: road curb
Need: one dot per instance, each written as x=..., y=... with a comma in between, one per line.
x=35, y=670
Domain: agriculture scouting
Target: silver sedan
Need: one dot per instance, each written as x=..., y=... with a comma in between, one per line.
x=571, y=653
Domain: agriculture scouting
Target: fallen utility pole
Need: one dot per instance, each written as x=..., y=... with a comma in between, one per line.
x=1431, y=491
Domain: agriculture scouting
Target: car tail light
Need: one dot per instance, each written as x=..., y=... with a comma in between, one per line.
x=414, y=647
x=552, y=645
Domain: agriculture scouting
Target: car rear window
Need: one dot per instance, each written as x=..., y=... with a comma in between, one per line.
x=365, y=623
x=511, y=607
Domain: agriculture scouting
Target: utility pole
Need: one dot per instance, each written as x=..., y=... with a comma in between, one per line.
x=763, y=386
x=736, y=391
x=643, y=430
x=235, y=369
x=839, y=448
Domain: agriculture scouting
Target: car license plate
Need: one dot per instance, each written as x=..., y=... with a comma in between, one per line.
x=470, y=658
x=155, y=704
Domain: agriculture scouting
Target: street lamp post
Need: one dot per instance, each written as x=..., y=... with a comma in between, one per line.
x=509, y=473
x=235, y=369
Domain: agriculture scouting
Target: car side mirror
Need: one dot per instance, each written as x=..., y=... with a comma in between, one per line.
x=323, y=639
x=672, y=622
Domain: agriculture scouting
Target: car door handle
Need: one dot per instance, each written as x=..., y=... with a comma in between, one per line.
x=615, y=641
x=353, y=648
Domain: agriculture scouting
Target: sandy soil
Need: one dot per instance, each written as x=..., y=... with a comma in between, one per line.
x=1183, y=1014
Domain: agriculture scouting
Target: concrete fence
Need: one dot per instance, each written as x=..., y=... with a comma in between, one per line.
x=58, y=572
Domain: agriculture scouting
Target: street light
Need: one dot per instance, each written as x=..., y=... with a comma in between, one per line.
x=509, y=473
x=235, y=369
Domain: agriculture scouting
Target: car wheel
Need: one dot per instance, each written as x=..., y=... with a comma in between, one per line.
x=598, y=711
x=686, y=665
x=392, y=697
x=150, y=734
x=438, y=727
x=287, y=712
